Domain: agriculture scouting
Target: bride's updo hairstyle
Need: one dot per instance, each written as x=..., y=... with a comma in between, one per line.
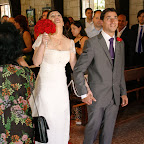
x=52, y=11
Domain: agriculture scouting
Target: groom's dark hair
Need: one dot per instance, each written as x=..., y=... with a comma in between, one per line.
x=105, y=11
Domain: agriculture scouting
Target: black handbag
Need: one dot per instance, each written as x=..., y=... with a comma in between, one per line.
x=41, y=127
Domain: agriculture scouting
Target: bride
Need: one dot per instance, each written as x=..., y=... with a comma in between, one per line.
x=52, y=53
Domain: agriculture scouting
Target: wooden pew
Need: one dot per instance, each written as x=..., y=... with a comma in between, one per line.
x=134, y=80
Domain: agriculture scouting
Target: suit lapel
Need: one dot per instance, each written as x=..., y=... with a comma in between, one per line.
x=105, y=48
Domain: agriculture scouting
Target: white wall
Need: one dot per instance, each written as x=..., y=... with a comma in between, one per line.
x=4, y=1
x=37, y=4
x=72, y=8
x=135, y=6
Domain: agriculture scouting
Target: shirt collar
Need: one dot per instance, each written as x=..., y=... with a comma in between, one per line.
x=122, y=29
x=88, y=22
x=141, y=25
x=106, y=36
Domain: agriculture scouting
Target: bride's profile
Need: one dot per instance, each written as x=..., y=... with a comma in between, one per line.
x=52, y=53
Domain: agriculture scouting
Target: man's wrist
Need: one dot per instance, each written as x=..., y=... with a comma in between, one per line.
x=83, y=96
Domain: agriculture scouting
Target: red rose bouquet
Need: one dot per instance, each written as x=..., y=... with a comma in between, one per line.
x=119, y=39
x=45, y=25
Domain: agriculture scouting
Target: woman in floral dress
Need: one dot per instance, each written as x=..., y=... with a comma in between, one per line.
x=16, y=84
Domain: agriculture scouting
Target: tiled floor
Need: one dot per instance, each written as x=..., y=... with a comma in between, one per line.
x=129, y=127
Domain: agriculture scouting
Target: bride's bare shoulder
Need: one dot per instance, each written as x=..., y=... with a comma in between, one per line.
x=67, y=39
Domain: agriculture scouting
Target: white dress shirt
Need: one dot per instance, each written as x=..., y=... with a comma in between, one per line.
x=87, y=24
x=119, y=33
x=106, y=37
x=92, y=31
x=139, y=29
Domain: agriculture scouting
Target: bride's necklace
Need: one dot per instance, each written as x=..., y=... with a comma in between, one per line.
x=56, y=42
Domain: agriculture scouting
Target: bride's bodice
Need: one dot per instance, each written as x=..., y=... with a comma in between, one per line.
x=53, y=57
x=56, y=57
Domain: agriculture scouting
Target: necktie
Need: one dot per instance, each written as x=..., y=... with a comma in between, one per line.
x=140, y=43
x=111, y=49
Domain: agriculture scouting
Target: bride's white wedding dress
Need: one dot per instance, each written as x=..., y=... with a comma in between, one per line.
x=51, y=93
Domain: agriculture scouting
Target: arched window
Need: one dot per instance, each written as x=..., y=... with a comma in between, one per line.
x=12, y=8
x=94, y=4
x=99, y=5
x=5, y=8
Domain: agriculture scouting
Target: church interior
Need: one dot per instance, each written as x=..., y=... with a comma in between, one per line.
x=129, y=128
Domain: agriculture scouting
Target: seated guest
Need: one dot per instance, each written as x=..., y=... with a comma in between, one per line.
x=67, y=30
x=96, y=28
x=20, y=60
x=5, y=18
x=11, y=19
x=86, y=22
x=71, y=19
x=80, y=37
x=16, y=84
x=126, y=34
x=138, y=30
x=21, y=24
x=44, y=14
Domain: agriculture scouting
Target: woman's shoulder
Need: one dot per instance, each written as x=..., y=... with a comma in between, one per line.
x=26, y=33
x=84, y=38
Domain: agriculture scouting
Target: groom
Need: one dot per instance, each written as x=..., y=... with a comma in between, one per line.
x=103, y=56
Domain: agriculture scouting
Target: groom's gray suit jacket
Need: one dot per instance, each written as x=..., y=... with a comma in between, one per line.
x=105, y=80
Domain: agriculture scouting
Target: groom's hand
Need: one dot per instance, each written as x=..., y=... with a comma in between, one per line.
x=124, y=100
x=88, y=100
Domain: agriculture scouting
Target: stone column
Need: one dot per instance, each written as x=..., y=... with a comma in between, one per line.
x=135, y=6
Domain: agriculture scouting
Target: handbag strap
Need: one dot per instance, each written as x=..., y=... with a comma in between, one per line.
x=35, y=102
x=32, y=93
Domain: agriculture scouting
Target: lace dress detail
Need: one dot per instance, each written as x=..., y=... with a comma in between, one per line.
x=39, y=39
x=37, y=42
x=51, y=92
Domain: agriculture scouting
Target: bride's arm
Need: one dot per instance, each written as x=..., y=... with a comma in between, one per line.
x=39, y=51
x=38, y=55
x=72, y=60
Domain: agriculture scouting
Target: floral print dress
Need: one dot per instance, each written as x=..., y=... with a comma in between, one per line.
x=16, y=84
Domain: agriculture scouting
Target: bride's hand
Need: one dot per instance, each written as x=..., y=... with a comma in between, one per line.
x=45, y=38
